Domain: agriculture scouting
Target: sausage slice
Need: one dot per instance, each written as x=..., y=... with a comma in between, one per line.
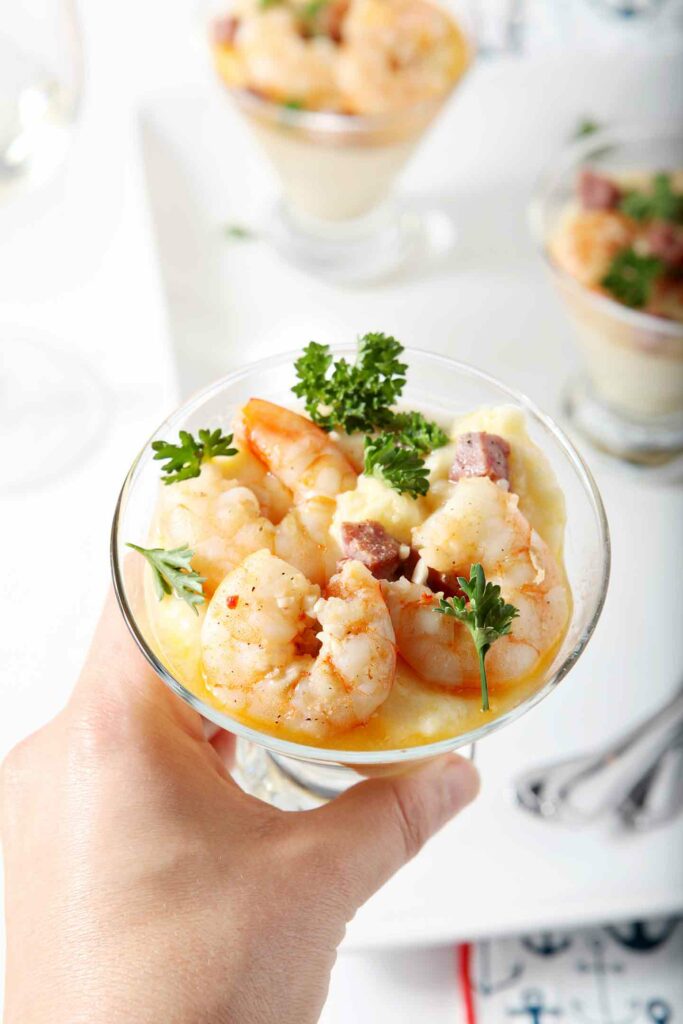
x=597, y=192
x=480, y=454
x=369, y=543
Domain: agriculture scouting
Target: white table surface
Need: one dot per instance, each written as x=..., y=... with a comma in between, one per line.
x=78, y=260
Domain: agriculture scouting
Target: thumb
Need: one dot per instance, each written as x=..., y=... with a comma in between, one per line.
x=379, y=825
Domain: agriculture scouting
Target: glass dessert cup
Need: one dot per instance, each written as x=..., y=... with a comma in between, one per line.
x=336, y=217
x=629, y=399
x=293, y=775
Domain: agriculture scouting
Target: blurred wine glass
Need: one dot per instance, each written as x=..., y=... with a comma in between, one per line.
x=50, y=403
x=40, y=83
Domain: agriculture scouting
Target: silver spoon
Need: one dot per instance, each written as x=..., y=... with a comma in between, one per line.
x=658, y=797
x=581, y=789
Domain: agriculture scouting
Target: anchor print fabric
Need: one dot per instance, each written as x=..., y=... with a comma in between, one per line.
x=623, y=974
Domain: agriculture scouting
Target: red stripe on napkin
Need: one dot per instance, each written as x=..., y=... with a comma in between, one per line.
x=464, y=968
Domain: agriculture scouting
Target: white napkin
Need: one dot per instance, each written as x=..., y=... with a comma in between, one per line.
x=621, y=974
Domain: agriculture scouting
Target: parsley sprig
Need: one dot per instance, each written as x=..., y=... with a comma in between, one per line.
x=660, y=203
x=486, y=615
x=173, y=573
x=399, y=465
x=184, y=460
x=353, y=396
x=414, y=430
x=631, y=276
x=397, y=455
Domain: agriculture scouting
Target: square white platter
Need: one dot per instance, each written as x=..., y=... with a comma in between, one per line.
x=489, y=303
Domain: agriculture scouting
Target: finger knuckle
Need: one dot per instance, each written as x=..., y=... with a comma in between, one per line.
x=18, y=766
x=99, y=727
x=19, y=757
x=408, y=815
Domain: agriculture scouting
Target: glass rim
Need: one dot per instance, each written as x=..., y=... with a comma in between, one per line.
x=569, y=158
x=332, y=122
x=302, y=751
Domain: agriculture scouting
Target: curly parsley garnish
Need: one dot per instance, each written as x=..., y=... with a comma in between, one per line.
x=413, y=429
x=173, y=573
x=631, y=276
x=184, y=460
x=660, y=203
x=358, y=397
x=353, y=396
x=401, y=466
x=397, y=454
x=485, y=614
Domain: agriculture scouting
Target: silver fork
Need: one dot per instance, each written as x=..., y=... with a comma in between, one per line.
x=621, y=779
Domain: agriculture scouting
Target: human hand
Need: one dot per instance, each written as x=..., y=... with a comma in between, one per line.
x=144, y=886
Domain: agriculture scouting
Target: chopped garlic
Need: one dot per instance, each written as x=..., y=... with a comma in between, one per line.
x=421, y=572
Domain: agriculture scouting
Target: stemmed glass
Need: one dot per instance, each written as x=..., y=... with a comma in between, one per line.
x=294, y=775
x=49, y=401
x=336, y=217
x=628, y=399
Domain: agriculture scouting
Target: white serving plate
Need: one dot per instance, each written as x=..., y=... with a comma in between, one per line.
x=495, y=870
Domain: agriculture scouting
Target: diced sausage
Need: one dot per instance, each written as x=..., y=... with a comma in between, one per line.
x=597, y=192
x=446, y=582
x=665, y=240
x=225, y=30
x=480, y=454
x=407, y=567
x=370, y=544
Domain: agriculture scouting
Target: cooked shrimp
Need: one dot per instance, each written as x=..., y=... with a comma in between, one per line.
x=275, y=651
x=303, y=539
x=301, y=455
x=588, y=240
x=480, y=523
x=273, y=58
x=273, y=497
x=397, y=54
x=218, y=517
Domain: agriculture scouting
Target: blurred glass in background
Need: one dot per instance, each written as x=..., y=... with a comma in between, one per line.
x=50, y=403
x=40, y=82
